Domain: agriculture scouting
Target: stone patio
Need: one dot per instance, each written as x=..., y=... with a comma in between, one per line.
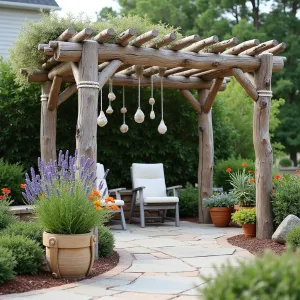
x=159, y=262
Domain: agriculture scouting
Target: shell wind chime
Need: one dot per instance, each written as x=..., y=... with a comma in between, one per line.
x=162, y=128
x=152, y=101
x=101, y=120
x=124, y=127
x=139, y=116
x=111, y=97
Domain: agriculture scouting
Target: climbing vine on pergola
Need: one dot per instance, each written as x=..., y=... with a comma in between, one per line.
x=87, y=62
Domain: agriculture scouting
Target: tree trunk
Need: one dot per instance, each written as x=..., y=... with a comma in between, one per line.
x=263, y=148
x=255, y=13
x=293, y=157
x=206, y=158
x=48, y=126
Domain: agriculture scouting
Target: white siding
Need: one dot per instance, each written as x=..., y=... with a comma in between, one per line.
x=11, y=21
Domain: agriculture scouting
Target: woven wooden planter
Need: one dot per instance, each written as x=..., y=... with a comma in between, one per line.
x=69, y=256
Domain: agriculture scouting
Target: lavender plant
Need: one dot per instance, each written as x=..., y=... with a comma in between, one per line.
x=59, y=193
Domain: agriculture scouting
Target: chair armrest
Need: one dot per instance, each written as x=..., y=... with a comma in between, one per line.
x=116, y=190
x=140, y=188
x=174, y=187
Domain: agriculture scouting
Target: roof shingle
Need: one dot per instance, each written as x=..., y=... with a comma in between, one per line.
x=35, y=2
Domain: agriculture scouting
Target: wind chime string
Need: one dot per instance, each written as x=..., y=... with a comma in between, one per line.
x=151, y=100
x=162, y=128
x=124, y=126
x=111, y=97
x=139, y=116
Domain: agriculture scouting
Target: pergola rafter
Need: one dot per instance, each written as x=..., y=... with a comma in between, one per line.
x=87, y=62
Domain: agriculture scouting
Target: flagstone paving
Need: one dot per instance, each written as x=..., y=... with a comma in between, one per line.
x=158, y=262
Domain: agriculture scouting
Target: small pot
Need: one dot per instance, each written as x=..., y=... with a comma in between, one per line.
x=221, y=216
x=249, y=230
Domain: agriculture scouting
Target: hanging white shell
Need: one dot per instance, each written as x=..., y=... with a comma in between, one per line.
x=124, y=128
x=111, y=96
x=152, y=115
x=162, y=128
x=123, y=110
x=109, y=110
x=139, y=116
x=151, y=101
x=102, y=120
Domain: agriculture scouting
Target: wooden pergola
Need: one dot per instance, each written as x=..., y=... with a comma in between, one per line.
x=87, y=62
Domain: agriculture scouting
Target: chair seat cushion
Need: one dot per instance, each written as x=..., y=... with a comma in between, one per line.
x=160, y=200
x=117, y=202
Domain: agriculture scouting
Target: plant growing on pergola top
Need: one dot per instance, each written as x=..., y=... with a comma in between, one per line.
x=87, y=62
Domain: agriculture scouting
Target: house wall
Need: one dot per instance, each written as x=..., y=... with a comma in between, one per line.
x=11, y=20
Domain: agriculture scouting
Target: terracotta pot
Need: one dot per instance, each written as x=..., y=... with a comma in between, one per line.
x=220, y=216
x=70, y=256
x=249, y=230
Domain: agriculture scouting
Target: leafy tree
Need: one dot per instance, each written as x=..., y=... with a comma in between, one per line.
x=104, y=12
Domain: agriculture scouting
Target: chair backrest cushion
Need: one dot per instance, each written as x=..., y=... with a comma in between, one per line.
x=100, y=174
x=152, y=177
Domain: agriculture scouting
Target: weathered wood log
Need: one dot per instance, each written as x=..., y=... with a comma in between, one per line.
x=108, y=72
x=165, y=58
x=212, y=95
x=42, y=46
x=167, y=39
x=60, y=70
x=260, y=48
x=263, y=148
x=66, y=94
x=128, y=71
x=35, y=75
x=144, y=38
x=196, y=47
x=54, y=91
x=245, y=83
x=186, y=73
x=48, y=51
x=67, y=34
x=124, y=37
x=104, y=35
x=53, y=44
x=206, y=158
x=191, y=99
x=81, y=36
x=102, y=66
x=51, y=62
x=221, y=46
x=48, y=126
x=75, y=70
x=242, y=47
x=184, y=42
x=277, y=49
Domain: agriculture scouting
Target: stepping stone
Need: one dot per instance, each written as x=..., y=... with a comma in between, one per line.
x=157, y=242
x=128, y=237
x=144, y=257
x=138, y=296
x=161, y=285
x=57, y=295
x=195, y=251
x=139, y=250
x=123, y=245
x=211, y=261
x=203, y=231
x=159, y=266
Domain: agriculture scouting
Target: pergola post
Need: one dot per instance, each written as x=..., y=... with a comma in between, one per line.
x=48, y=126
x=206, y=157
x=263, y=148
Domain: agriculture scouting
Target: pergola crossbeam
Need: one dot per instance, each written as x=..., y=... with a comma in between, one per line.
x=260, y=48
x=108, y=72
x=167, y=39
x=219, y=47
x=212, y=95
x=191, y=99
x=104, y=35
x=66, y=94
x=277, y=49
x=196, y=47
x=144, y=38
x=54, y=91
x=124, y=37
x=242, y=47
x=81, y=36
x=184, y=42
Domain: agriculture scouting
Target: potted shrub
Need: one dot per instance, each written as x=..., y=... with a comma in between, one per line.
x=247, y=219
x=68, y=209
x=220, y=207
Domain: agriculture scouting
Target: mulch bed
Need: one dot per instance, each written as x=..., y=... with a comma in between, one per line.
x=26, y=283
x=256, y=246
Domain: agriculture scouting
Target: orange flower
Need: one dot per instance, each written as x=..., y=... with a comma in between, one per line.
x=96, y=193
x=298, y=171
x=22, y=186
x=91, y=197
x=98, y=207
x=6, y=191
x=273, y=191
x=1, y=197
x=97, y=203
x=42, y=196
x=109, y=199
x=108, y=207
x=244, y=164
x=115, y=207
x=249, y=171
x=228, y=170
x=277, y=176
x=252, y=180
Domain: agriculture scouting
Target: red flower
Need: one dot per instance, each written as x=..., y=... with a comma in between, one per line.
x=228, y=170
x=6, y=191
x=1, y=197
x=244, y=164
x=297, y=171
x=277, y=176
x=252, y=180
x=249, y=171
x=22, y=186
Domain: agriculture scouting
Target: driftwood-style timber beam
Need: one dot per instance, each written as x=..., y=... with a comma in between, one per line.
x=66, y=94
x=108, y=72
x=104, y=35
x=124, y=37
x=75, y=70
x=82, y=35
x=60, y=70
x=242, y=47
x=277, y=49
x=184, y=42
x=48, y=51
x=260, y=48
x=221, y=46
x=191, y=99
x=196, y=47
x=212, y=95
x=144, y=38
x=54, y=91
x=67, y=34
x=245, y=83
x=167, y=39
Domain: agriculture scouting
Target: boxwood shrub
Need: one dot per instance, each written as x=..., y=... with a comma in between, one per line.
x=106, y=242
x=293, y=238
x=7, y=265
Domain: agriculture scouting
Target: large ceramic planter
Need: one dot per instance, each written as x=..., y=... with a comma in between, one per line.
x=220, y=216
x=69, y=256
x=249, y=230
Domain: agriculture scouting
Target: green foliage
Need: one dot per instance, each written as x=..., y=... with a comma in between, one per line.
x=285, y=162
x=27, y=253
x=106, y=242
x=188, y=204
x=6, y=218
x=286, y=197
x=31, y=230
x=7, y=265
x=244, y=216
x=220, y=200
x=11, y=176
x=221, y=177
x=270, y=277
x=293, y=238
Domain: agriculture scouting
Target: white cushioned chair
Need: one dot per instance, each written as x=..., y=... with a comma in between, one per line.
x=114, y=192
x=150, y=192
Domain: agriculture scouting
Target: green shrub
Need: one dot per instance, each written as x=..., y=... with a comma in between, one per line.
x=6, y=218
x=271, y=277
x=28, y=254
x=298, y=162
x=285, y=197
x=293, y=238
x=285, y=162
x=244, y=216
x=11, y=176
x=106, y=242
x=7, y=265
x=220, y=200
x=188, y=204
x=31, y=230
x=221, y=177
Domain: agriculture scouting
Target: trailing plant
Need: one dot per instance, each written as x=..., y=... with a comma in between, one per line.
x=106, y=242
x=188, y=205
x=285, y=162
x=293, y=238
x=7, y=265
x=6, y=218
x=244, y=216
x=27, y=253
x=220, y=200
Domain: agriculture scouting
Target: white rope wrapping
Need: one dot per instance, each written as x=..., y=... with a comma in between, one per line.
x=44, y=97
x=264, y=93
x=88, y=84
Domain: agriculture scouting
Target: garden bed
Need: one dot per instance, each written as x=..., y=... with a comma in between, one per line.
x=26, y=283
x=256, y=246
